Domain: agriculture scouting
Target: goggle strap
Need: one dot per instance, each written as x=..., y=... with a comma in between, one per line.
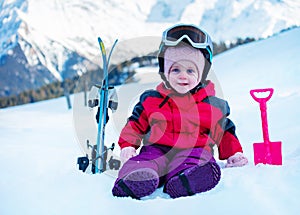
x=210, y=54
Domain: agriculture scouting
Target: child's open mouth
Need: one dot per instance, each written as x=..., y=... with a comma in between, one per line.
x=183, y=84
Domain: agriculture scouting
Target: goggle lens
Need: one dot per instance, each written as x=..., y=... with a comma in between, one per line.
x=195, y=34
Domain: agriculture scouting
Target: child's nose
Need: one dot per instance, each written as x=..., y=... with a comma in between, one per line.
x=183, y=75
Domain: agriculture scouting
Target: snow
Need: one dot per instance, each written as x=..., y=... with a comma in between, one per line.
x=229, y=20
x=39, y=149
x=9, y=24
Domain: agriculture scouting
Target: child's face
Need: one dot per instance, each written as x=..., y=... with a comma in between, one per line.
x=183, y=76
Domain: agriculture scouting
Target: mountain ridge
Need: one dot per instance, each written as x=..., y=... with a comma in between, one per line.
x=61, y=37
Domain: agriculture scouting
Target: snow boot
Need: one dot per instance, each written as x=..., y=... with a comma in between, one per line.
x=137, y=184
x=194, y=180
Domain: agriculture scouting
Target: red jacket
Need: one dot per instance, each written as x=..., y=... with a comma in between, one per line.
x=182, y=121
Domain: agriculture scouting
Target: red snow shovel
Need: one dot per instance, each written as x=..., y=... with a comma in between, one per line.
x=267, y=152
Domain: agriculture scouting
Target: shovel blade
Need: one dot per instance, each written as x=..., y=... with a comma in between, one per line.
x=268, y=153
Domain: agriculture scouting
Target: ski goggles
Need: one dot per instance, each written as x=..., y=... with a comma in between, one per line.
x=195, y=36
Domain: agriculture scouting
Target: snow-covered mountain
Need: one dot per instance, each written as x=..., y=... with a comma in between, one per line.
x=43, y=41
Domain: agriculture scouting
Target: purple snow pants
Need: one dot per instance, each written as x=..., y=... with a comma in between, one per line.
x=166, y=161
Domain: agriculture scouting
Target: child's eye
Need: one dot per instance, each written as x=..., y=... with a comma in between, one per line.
x=175, y=70
x=190, y=71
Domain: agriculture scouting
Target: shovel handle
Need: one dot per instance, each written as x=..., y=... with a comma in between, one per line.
x=263, y=108
x=262, y=99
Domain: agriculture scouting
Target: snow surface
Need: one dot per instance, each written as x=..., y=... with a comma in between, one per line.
x=39, y=149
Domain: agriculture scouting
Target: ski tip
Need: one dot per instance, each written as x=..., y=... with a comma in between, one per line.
x=101, y=44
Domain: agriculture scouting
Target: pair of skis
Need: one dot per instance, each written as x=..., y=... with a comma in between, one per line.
x=100, y=164
x=99, y=151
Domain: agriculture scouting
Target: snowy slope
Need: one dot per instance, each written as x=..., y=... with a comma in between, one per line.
x=39, y=149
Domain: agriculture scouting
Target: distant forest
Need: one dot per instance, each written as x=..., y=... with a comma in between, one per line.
x=118, y=74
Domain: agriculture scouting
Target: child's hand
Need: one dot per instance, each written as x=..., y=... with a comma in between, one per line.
x=126, y=153
x=237, y=160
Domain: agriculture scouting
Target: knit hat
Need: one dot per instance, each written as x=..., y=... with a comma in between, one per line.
x=178, y=53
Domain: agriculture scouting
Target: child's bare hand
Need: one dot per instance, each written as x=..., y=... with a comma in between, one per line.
x=237, y=160
x=127, y=153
